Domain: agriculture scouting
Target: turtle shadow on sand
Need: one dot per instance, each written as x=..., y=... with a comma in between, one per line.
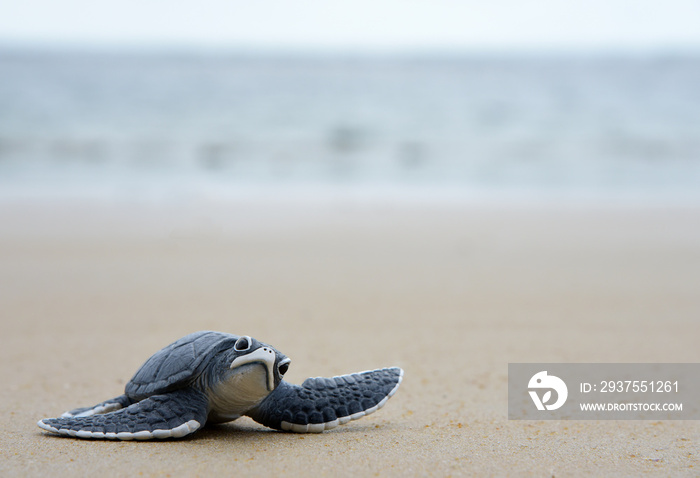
x=228, y=432
x=234, y=432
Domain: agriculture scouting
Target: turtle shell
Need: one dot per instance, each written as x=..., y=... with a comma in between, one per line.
x=178, y=364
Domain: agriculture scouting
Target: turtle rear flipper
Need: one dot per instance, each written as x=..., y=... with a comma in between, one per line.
x=170, y=415
x=107, y=406
x=324, y=403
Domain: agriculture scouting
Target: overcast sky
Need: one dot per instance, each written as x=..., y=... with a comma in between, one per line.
x=365, y=25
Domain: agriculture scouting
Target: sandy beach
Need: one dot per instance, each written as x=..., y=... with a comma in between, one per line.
x=450, y=292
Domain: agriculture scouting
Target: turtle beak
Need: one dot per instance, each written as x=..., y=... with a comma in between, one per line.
x=264, y=356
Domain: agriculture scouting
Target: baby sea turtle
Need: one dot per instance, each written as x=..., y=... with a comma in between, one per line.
x=214, y=377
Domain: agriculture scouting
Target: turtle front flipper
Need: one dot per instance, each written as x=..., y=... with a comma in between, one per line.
x=324, y=403
x=107, y=406
x=169, y=415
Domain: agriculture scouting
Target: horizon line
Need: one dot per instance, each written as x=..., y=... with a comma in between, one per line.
x=171, y=48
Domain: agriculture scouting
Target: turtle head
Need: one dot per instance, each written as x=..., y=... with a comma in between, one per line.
x=246, y=350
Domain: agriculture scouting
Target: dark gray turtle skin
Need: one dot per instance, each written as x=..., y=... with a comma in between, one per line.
x=214, y=377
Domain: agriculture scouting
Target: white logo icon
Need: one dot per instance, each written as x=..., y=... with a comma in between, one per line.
x=543, y=381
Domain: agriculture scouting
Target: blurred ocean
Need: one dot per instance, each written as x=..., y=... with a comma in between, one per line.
x=162, y=126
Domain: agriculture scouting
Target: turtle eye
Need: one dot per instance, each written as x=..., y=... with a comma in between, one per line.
x=243, y=343
x=283, y=367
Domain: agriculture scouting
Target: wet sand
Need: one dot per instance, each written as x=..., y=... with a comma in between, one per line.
x=452, y=293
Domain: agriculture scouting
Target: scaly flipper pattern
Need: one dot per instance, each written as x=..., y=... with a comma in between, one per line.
x=170, y=415
x=324, y=403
